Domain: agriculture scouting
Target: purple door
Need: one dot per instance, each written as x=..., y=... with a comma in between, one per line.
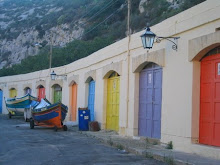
x=150, y=96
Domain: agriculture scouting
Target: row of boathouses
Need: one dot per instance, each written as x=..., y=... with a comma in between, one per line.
x=161, y=93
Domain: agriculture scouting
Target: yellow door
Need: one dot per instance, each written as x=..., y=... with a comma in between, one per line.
x=13, y=93
x=112, y=115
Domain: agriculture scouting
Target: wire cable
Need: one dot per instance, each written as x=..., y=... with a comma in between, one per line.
x=99, y=23
x=103, y=9
x=90, y=11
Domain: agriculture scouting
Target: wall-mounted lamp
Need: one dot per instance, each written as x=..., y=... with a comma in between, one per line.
x=53, y=76
x=148, y=39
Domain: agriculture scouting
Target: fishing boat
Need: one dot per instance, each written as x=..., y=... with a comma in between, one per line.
x=16, y=106
x=49, y=115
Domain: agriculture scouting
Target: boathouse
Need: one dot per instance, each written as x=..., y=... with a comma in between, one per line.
x=161, y=93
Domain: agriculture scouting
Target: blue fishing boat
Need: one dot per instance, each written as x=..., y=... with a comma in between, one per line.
x=16, y=106
x=49, y=115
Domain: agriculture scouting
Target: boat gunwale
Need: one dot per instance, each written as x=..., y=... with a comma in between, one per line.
x=51, y=108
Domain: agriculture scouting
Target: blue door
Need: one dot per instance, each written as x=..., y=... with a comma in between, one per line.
x=1, y=93
x=91, y=99
x=150, y=96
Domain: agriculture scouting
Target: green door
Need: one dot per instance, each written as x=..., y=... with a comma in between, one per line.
x=57, y=94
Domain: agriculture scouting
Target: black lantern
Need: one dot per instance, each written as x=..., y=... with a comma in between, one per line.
x=148, y=38
x=53, y=75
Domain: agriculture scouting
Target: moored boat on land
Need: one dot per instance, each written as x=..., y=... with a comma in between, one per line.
x=49, y=115
x=16, y=106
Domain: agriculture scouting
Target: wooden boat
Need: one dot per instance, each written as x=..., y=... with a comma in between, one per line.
x=16, y=106
x=49, y=115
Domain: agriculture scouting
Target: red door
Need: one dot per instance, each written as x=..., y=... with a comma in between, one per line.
x=41, y=93
x=209, y=132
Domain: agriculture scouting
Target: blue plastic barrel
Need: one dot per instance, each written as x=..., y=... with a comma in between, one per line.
x=84, y=119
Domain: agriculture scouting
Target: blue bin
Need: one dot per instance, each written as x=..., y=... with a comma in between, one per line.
x=84, y=119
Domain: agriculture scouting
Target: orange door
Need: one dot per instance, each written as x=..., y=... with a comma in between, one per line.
x=73, y=101
x=209, y=132
x=41, y=93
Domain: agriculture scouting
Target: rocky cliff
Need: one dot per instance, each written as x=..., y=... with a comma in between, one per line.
x=22, y=37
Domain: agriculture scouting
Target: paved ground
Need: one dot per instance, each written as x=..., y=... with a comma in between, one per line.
x=149, y=148
x=19, y=145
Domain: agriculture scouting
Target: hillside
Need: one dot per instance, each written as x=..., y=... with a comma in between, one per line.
x=74, y=28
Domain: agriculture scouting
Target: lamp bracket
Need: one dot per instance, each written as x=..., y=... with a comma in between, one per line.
x=62, y=76
x=174, y=47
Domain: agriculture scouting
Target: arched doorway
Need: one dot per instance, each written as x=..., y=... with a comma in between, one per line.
x=27, y=90
x=12, y=93
x=41, y=92
x=73, y=101
x=91, y=99
x=113, y=91
x=209, y=131
x=57, y=93
x=1, y=96
x=150, y=98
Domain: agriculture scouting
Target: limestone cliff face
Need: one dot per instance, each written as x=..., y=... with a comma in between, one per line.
x=19, y=35
x=28, y=43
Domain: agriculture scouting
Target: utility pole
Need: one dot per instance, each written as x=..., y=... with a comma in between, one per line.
x=128, y=22
x=51, y=50
x=128, y=58
x=50, y=61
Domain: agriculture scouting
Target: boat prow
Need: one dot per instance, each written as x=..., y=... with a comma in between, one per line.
x=16, y=106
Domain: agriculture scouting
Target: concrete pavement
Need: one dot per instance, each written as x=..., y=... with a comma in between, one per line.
x=41, y=146
x=20, y=145
x=149, y=149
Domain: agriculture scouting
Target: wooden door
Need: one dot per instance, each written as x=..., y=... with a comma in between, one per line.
x=91, y=100
x=13, y=93
x=41, y=93
x=150, y=97
x=57, y=94
x=112, y=115
x=27, y=90
x=209, y=132
x=73, y=101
